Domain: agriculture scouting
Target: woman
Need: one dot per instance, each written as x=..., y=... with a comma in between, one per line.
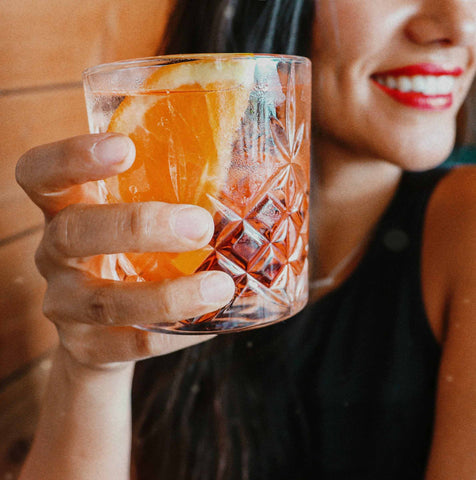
x=348, y=389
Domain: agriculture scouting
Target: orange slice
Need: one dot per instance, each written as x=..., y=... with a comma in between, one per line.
x=182, y=123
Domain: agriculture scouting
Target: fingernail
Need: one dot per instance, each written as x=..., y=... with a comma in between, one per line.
x=112, y=150
x=192, y=223
x=217, y=288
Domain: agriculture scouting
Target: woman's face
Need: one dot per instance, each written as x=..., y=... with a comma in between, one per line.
x=390, y=75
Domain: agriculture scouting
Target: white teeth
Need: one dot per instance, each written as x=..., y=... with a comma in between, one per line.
x=431, y=86
x=419, y=83
x=426, y=84
x=446, y=84
x=404, y=84
x=391, y=82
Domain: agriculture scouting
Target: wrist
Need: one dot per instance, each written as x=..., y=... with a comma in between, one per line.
x=86, y=409
x=76, y=370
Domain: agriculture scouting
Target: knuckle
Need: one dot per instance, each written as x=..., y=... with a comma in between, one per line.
x=100, y=309
x=41, y=260
x=143, y=343
x=140, y=218
x=67, y=148
x=59, y=231
x=21, y=167
x=51, y=306
x=167, y=305
x=77, y=342
x=66, y=152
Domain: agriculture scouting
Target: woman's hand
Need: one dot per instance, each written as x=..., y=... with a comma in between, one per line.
x=85, y=424
x=94, y=315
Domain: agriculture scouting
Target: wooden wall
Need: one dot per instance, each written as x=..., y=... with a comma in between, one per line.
x=44, y=46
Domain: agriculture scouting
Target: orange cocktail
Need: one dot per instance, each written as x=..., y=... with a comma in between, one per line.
x=231, y=134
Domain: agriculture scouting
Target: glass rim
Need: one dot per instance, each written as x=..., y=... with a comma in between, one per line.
x=161, y=59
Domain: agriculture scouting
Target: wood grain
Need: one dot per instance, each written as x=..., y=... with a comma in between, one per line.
x=29, y=120
x=44, y=47
x=52, y=41
x=24, y=332
x=36, y=118
x=20, y=399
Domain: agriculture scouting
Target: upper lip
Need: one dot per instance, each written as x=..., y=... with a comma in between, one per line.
x=422, y=69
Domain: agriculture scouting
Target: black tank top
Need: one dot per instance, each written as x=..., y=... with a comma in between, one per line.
x=343, y=391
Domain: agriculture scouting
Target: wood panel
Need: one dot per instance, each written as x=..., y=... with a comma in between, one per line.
x=44, y=46
x=20, y=397
x=24, y=332
x=52, y=41
x=36, y=118
x=18, y=216
x=29, y=120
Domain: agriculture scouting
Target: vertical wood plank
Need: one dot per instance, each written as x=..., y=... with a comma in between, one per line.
x=52, y=41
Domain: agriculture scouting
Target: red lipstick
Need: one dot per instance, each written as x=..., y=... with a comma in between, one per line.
x=418, y=99
x=422, y=69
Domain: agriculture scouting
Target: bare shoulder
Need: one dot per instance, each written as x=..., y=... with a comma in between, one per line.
x=452, y=214
x=449, y=245
x=453, y=204
x=457, y=189
x=449, y=268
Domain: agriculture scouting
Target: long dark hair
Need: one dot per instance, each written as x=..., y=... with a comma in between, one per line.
x=259, y=26
x=186, y=409
x=187, y=406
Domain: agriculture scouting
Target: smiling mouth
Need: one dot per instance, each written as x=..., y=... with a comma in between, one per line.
x=424, y=87
x=428, y=85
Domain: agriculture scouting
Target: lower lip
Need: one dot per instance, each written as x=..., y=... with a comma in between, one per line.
x=419, y=100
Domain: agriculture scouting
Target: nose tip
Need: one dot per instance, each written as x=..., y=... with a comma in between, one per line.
x=450, y=22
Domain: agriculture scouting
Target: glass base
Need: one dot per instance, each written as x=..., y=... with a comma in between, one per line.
x=247, y=314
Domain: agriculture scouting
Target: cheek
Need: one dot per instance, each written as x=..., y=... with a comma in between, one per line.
x=412, y=146
x=354, y=117
x=348, y=30
x=338, y=102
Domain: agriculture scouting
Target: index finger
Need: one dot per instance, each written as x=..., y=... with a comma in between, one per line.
x=53, y=175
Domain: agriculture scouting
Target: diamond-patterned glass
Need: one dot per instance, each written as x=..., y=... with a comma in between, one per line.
x=256, y=187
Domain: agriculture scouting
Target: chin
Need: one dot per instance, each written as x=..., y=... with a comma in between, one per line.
x=423, y=156
x=419, y=150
